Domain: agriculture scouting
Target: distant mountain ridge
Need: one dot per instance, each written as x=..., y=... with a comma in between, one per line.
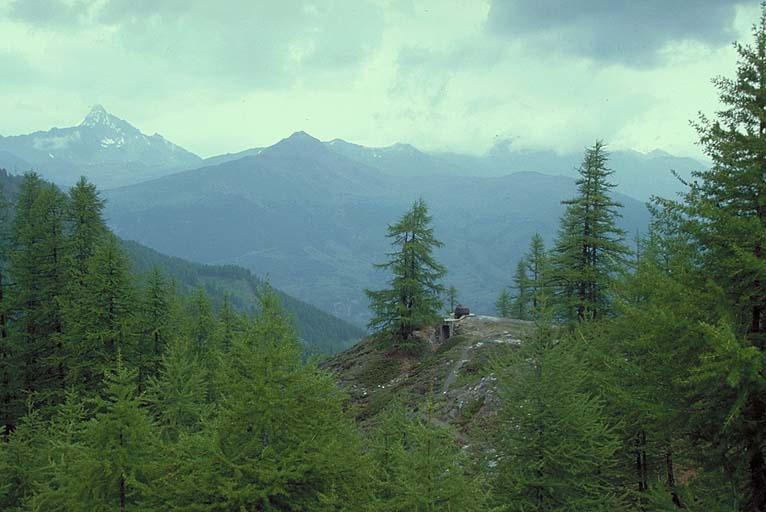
x=113, y=153
x=639, y=175
x=108, y=150
x=315, y=221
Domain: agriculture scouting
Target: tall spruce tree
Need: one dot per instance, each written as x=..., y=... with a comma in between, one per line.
x=727, y=205
x=589, y=250
x=119, y=458
x=413, y=299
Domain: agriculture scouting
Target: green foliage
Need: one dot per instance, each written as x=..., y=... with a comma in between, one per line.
x=38, y=272
x=319, y=331
x=413, y=299
x=504, y=304
x=100, y=319
x=419, y=467
x=589, y=250
x=521, y=285
x=280, y=441
x=556, y=449
x=726, y=214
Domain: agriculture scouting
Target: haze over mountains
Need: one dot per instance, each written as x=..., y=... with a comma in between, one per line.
x=313, y=215
x=315, y=220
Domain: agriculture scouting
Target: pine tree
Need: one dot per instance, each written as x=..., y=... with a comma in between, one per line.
x=119, y=462
x=155, y=323
x=38, y=271
x=101, y=320
x=419, y=467
x=86, y=226
x=281, y=441
x=7, y=378
x=413, y=299
x=589, y=250
x=504, y=304
x=178, y=396
x=727, y=206
x=521, y=303
x=536, y=269
x=202, y=323
x=557, y=452
x=228, y=326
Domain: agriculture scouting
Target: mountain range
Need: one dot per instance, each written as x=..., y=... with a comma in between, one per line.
x=106, y=149
x=315, y=220
x=313, y=214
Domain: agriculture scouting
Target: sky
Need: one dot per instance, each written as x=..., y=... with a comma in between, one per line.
x=443, y=75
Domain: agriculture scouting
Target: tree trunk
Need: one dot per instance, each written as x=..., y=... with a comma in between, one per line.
x=641, y=464
x=672, y=477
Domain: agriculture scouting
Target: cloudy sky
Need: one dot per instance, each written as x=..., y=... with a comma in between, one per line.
x=221, y=76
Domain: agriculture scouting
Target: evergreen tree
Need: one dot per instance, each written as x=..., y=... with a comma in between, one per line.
x=557, y=452
x=521, y=303
x=536, y=269
x=202, y=323
x=86, y=226
x=38, y=271
x=504, y=304
x=178, y=396
x=452, y=298
x=727, y=209
x=155, y=322
x=7, y=377
x=589, y=250
x=229, y=325
x=119, y=462
x=281, y=440
x=101, y=320
x=419, y=467
x=413, y=299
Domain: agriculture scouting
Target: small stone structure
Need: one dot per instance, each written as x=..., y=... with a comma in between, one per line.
x=461, y=311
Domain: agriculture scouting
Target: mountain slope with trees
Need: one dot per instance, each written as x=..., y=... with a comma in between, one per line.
x=316, y=221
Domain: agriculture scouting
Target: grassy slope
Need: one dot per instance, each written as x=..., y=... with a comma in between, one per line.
x=456, y=373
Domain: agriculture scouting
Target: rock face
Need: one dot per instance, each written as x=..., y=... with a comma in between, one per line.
x=108, y=150
x=456, y=374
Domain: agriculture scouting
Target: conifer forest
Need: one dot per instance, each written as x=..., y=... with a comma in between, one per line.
x=608, y=367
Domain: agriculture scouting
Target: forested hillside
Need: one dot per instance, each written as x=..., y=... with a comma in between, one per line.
x=624, y=370
x=320, y=332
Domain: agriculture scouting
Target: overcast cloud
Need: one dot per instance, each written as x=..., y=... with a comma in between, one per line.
x=444, y=74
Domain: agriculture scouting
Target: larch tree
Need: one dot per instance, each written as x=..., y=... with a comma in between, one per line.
x=6, y=371
x=504, y=304
x=101, y=319
x=727, y=206
x=536, y=269
x=413, y=299
x=590, y=248
x=38, y=270
x=521, y=302
x=556, y=450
